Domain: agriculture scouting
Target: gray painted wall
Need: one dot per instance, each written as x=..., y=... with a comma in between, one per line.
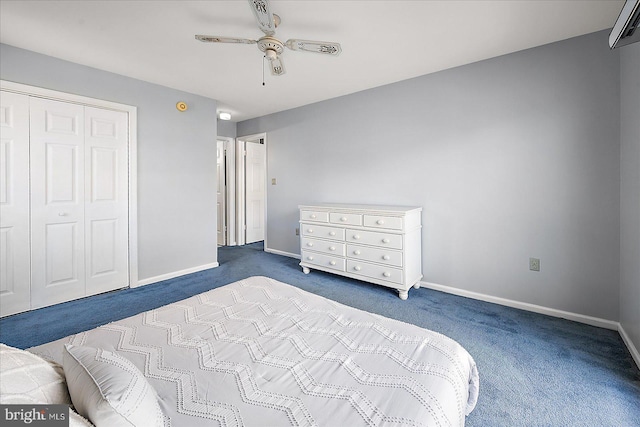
x=176, y=157
x=630, y=192
x=227, y=128
x=513, y=157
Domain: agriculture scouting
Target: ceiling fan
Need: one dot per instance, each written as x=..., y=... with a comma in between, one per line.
x=271, y=46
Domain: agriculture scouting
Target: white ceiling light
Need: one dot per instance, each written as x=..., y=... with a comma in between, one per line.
x=225, y=116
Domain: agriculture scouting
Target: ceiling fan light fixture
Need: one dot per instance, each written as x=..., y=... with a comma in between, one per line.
x=224, y=116
x=271, y=54
x=269, y=44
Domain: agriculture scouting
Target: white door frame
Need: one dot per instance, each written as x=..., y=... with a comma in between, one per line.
x=230, y=198
x=241, y=142
x=132, y=152
x=221, y=191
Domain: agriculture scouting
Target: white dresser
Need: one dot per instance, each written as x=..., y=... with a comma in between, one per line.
x=377, y=244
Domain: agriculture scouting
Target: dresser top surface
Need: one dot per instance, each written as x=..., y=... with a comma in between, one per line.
x=359, y=207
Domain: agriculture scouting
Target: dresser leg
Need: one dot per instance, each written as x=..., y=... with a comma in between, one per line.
x=403, y=294
x=417, y=285
x=306, y=270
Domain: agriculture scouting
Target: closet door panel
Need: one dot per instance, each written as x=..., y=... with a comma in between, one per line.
x=106, y=199
x=14, y=204
x=57, y=202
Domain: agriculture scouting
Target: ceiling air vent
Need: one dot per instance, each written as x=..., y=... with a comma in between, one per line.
x=625, y=30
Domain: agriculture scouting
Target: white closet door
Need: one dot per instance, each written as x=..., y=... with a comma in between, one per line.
x=106, y=200
x=255, y=175
x=57, y=202
x=14, y=204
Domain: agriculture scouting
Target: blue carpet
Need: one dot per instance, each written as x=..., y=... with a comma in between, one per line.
x=535, y=370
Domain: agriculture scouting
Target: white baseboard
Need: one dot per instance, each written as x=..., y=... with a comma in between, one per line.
x=175, y=274
x=283, y=253
x=589, y=320
x=632, y=348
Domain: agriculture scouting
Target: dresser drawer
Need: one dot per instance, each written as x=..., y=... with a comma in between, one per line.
x=321, y=260
x=374, y=238
x=380, y=255
x=327, y=232
x=379, y=221
x=326, y=246
x=314, y=216
x=345, y=218
x=379, y=272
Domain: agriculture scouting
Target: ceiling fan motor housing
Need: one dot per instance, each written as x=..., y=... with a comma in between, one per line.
x=270, y=45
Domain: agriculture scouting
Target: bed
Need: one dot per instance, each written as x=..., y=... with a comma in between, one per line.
x=259, y=352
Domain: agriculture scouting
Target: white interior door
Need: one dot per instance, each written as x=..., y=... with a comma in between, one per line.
x=15, y=270
x=222, y=194
x=255, y=176
x=106, y=200
x=57, y=202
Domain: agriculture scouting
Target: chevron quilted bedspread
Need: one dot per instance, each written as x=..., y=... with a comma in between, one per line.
x=259, y=352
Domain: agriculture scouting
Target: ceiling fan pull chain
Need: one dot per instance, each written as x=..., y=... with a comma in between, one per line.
x=263, y=59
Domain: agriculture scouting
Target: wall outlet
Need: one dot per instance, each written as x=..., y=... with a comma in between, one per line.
x=273, y=181
x=297, y=231
x=534, y=264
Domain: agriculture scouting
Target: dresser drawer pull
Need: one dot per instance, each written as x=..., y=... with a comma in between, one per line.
x=356, y=252
x=310, y=258
x=357, y=268
x=332, y=248
x=386, y=274
x=343, y=219
x=332, y=233
x=356, y=236
x=379, y=222
x=313, y=216
x=386, y=257
x=332, y=262
x=385, y=240
x=309, y=244
x=310, y=230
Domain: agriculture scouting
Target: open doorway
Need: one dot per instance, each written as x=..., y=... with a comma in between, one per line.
x=221, y=192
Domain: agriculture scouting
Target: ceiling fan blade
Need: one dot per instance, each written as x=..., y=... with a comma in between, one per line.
x=328, y=48
x=277, y=66
x=216, y=39
x=262, y=11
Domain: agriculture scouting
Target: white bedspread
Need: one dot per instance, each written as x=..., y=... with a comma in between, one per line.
x=262, y=353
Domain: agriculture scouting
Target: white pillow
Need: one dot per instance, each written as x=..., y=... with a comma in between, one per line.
x=77, y=420
x=108, y=389
x=28, y=379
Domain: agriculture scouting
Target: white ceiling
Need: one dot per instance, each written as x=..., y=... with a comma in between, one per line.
x=382, y=41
